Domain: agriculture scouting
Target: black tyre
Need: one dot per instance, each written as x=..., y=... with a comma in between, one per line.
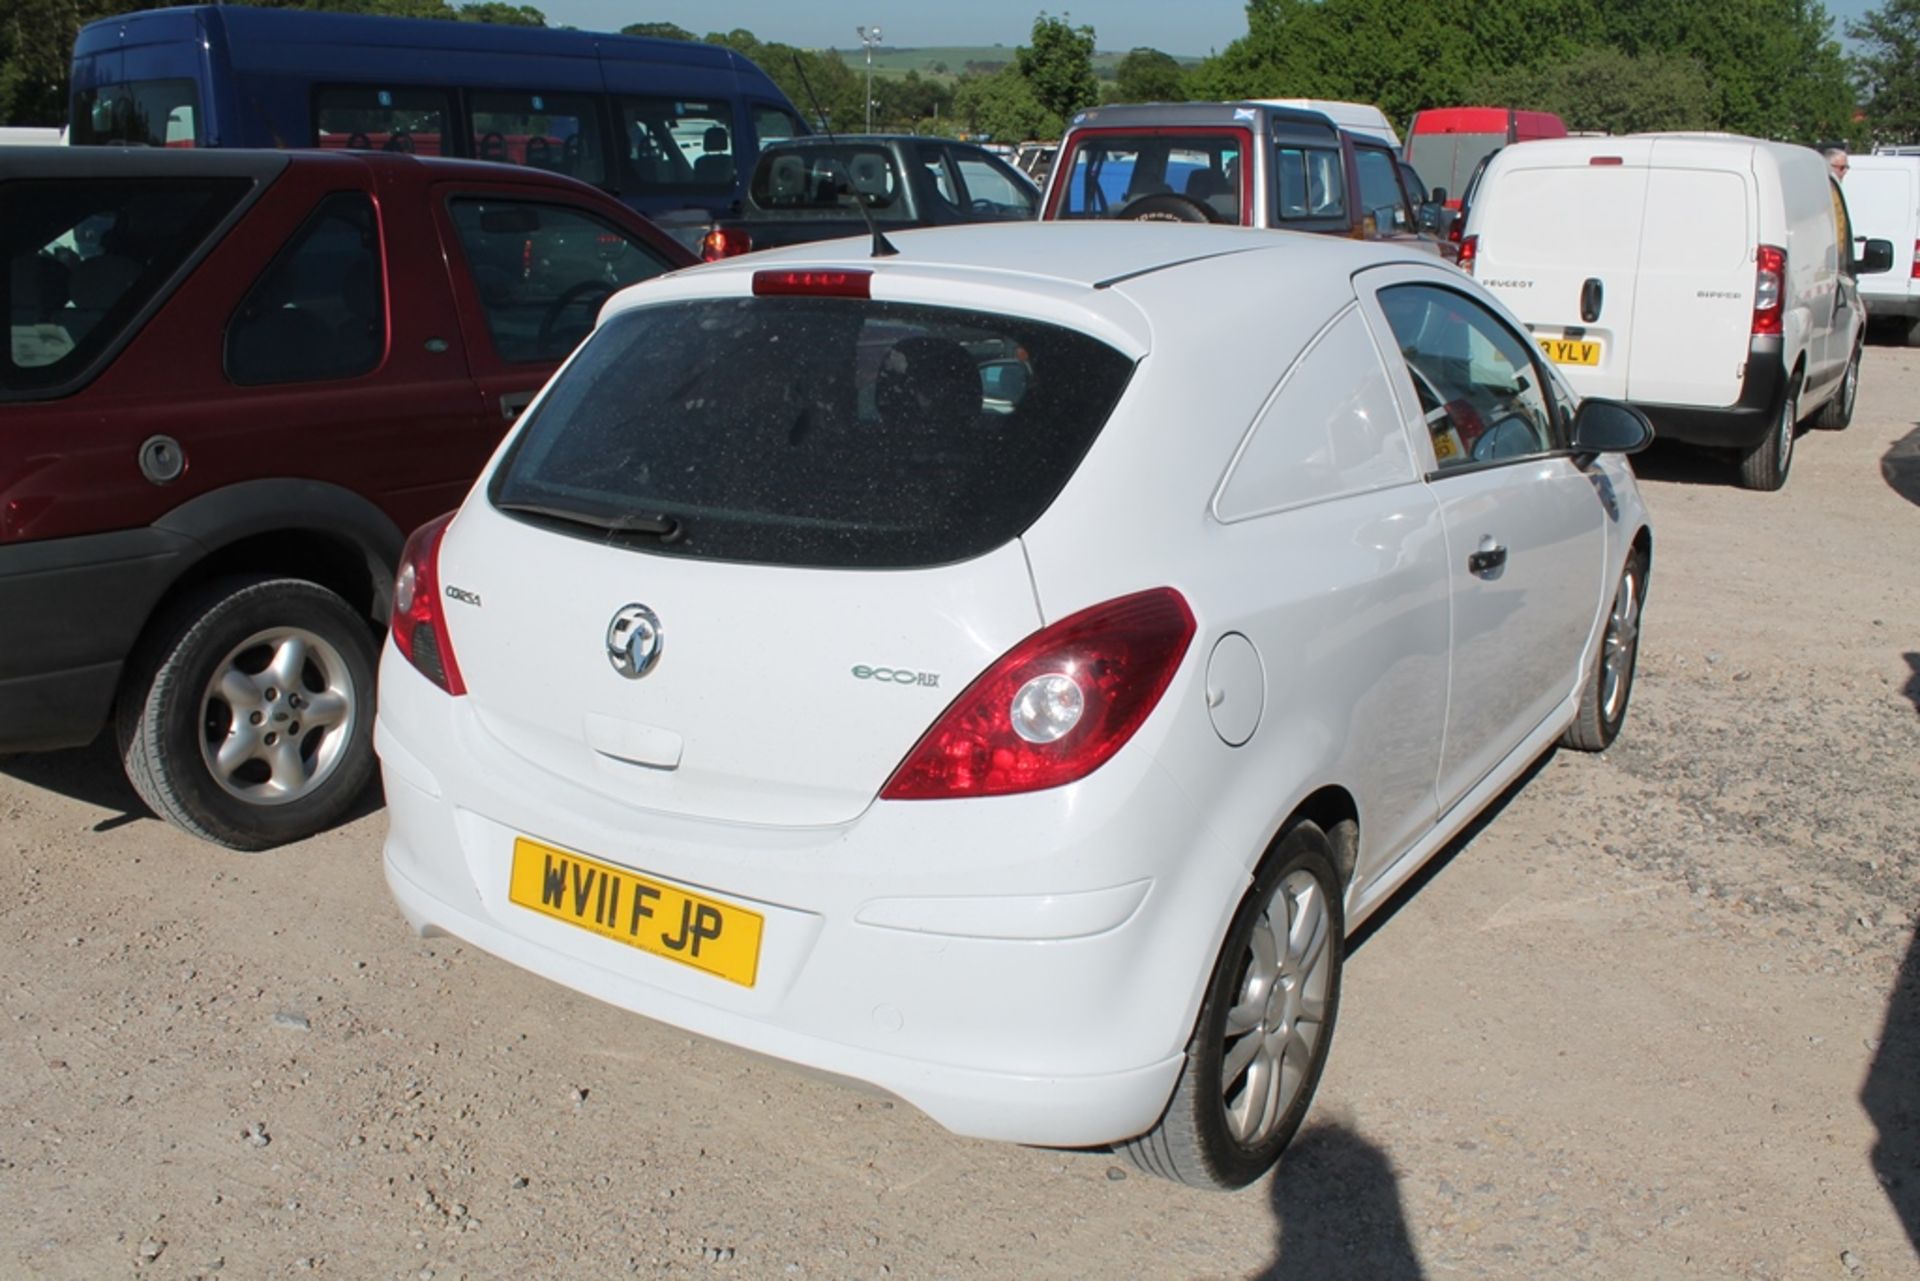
x=1261, y=1040
x=1167, y=207
x=246, y=717
x=1765, y=466
x=1838, y=412
x=1603, y=703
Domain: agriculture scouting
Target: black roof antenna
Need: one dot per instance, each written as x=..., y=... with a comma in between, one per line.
x=882, y=247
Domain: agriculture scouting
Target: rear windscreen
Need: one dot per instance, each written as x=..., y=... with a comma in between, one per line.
x=1111, y=174
x=1448, y=159
x=141, y=113
x=84, y=257
x=826, y=179
x=811, y=431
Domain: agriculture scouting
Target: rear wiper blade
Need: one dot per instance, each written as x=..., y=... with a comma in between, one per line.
x=666, y=528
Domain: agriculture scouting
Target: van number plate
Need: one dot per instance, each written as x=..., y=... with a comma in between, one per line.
x=1571, y=351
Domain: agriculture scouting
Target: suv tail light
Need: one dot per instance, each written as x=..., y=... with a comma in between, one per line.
x=1056, y=706
x=1469, y=250
x=1769, y=288
x=419, y=620
x=724, y=242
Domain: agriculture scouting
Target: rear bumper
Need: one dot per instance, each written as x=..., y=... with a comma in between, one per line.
x=1741, y=425
x=71, y=610
x=1041, y=994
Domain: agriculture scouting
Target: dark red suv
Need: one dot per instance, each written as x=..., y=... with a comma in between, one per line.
x=235, y=381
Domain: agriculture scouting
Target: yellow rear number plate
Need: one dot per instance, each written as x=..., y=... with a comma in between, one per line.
x=720, y=938
x=1571, y=351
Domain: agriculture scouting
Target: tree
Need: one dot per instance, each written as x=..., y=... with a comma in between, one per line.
x=506, y=15
x=1058, y=67
x=1606, y=90
x=1148, y=75
x=1004, y=106
x=1887, y=69
x=657, y=30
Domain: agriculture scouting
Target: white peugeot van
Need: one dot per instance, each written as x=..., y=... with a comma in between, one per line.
x=1706, y=278
x=1883, y=196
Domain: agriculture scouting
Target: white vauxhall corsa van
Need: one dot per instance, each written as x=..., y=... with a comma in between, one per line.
x=1883, y=197
x=1708, y=279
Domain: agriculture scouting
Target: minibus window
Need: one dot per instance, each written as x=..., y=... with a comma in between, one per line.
x=364, y=118
x=142, y=113
x=678, y=145
x=552, y=131
x=771, y=124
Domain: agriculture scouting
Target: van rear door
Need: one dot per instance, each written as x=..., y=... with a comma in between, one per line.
x=1559, y=243
x=1693, y=316
x=1883, y=199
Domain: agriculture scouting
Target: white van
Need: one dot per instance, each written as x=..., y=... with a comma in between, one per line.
x=1355, y=117
x=1883, y=196
x=1706, y=278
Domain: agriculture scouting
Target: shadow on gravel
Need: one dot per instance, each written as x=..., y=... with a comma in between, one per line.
x=1891, y=1097
x=1912, y=689
x=1900, y=466
x=90, y=775
x=1680, y=464
x=1338, y=1204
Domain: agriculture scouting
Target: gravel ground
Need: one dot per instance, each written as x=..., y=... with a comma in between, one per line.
x=1648, y=1020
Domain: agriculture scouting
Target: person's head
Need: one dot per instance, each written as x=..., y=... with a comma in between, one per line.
x=1837, y=161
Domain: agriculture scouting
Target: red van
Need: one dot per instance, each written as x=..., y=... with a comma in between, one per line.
x=1446, y=143
x=235, y=381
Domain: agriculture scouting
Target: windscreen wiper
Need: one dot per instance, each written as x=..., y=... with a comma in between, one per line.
x=666, y=528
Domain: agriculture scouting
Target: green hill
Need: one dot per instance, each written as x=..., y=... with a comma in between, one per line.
x=950, y=62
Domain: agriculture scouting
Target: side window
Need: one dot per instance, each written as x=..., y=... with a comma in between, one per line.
x=940, y=181
x=84, y=256
x=773, y=124
x=144, y=113
x=1331, y=429
x=541, y=271
x=1380, y=193
x=1842, y=227
x=1310, y=182
x=990, y=191
x=358, y=118
x=553, y=131
x=678, y=145
x=1480, y=391
x=319, y=310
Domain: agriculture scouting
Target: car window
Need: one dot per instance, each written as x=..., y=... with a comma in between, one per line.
x=552, y=131
x=149, y=113
x=940, y=180
x=1330, y=430
x=1481, y=394
x=319, y=310
x=363, y=118
x=823, y=178
x=1310, y=183
x=771, y=124
x=1380, y=193
x=678, y=144
x=815, y=431
x=1109, y=172
x=541, y=271
x=992, y=192
x=83, y=258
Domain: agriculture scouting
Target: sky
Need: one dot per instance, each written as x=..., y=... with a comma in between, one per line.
x=1196, y=27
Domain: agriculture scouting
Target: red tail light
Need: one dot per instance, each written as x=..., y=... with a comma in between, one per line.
x=1469, y=250
x=419, y=619
x=1916, y=260
x=724, y=242
x=1056, y=706
x=829, y=284
x=1769, y=289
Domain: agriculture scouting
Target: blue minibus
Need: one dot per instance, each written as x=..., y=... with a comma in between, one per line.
x=662, y=124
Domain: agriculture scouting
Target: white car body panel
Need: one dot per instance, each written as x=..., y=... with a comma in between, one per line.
x=1354, y=117
x=1023, y=967
x=1883, y=199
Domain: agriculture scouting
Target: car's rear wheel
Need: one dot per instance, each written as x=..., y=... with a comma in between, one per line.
x=1765, y=466
x=1265, y=1025
x=1603, y=702
x=1167, y=207
x=247, y=716
x=1838, y=412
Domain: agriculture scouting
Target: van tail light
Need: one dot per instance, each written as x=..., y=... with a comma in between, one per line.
x=724, y=242
x=1916, y=260
x=1469, y=250
x=1056, y=706
x=1769, y=288
x=419, y=615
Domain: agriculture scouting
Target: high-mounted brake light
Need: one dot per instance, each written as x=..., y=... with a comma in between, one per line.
x=1769, y=288
x=1469, y=250
x=1606, y=160
x=419, y=619
x=1056, y=706
x=724, y=242
x=817, y=283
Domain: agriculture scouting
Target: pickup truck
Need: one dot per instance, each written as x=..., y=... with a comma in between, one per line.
x=804, y=189
x=1250, y=163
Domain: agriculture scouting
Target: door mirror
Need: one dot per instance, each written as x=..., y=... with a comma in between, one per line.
x=1602, y=426
x=1439, y=196
x=1877, y=258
